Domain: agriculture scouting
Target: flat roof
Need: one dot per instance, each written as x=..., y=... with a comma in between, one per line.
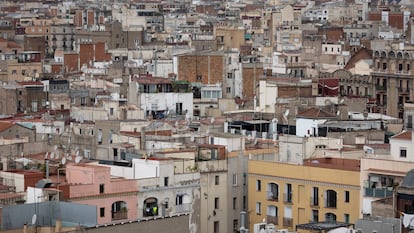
x=322, y=226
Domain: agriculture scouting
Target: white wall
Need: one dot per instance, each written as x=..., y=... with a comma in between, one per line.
x=167, y=100
x=397, y=144
x=145, y=168
x=303, y=125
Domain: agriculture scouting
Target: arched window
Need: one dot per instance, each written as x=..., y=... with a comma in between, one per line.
x=119, y=210
x=272, y=192
x=330, y=199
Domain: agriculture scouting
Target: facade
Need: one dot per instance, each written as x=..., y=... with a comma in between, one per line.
x=392, y=76
x=287, y=194
x=114, y=198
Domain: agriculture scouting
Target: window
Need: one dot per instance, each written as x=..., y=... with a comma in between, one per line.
x=403, y=152
x=288, y=193
x=102, y=212
x=315, y=216
x=216, y=203
x=235, y=225
x=216, y=226
x=229, y=75
x=14, y=71
x=347, y=196
x=330, y=199
x=346, y=218
x=111, y=111
x=244, y=202
x=228, y=89
x=234, y=179
x=330, y=217
x=166, y=181
x=384, y=66
x=234, y=202
x=315, y=196
x=101, y=188
x=217, y=180
x=258, y=208
x=23, y=72
x=258, y=185
x=199, y=78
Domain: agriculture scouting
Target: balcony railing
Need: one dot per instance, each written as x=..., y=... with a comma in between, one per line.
x=287, y=222
x=272, y=219
x=378, y=192
x=380, y=88
x=287, y=197
x=184, y=208
x=119, y=215
x=272, y=196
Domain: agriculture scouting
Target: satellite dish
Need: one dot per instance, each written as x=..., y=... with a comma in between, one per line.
x=34, y=219
x=338, y=112
x=25, y=162
x=63, y=161
x=52, y=155
x=77, y=153
x=69, y=157
x=286, y=113
x=192, y=138
x=47, y=153
x=341, y=101
x=56, y=147
x=255, y=141
x=78, y=159
x=212, y=120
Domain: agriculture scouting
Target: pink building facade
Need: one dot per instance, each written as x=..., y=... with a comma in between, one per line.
x=115, y=198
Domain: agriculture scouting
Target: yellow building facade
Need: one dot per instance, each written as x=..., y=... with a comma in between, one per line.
x=288, y=194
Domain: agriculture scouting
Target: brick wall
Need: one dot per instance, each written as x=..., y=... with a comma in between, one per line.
x=71, y=62
x=209, y=67
x=251, y=76
x=86, y=54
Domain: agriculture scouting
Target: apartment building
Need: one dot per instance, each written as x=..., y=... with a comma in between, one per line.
x=288, y=195
x=392, y=76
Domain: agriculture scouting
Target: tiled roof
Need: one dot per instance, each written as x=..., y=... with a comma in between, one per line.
x=315, y=113
x=406, y=135
x=5, y=125
x=362, y=54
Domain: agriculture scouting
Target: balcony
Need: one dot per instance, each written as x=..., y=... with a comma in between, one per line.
x=287, y=222
x=378, y=192
x=272, y=196
x=380, y=88
x=287, y=198
x=119, y=215
x=272, y=219
x=184, y=208
x=404, y=90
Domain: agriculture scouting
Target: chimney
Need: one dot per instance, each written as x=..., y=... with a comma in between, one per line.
x=25, y=228
x=47, y=168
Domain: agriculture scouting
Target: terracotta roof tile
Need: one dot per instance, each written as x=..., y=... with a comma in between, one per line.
x=406, y=135
x=5, y=125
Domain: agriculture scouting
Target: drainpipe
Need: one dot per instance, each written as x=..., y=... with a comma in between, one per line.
x=243, y=222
